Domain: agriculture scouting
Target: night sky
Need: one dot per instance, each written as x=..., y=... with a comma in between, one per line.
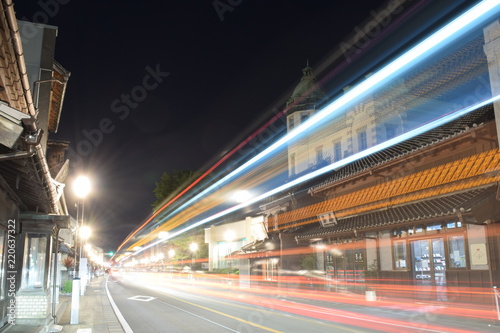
x=161, y=86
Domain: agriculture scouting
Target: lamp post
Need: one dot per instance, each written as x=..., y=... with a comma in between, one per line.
x=84, y=235
x=229, y=237
x=193, y=247
x=81, y=187
x=171, y=254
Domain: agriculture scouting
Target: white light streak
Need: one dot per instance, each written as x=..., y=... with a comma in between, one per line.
x=475, y=16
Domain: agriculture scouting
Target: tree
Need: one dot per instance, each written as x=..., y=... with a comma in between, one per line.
x=170, y=184
x=182, y=243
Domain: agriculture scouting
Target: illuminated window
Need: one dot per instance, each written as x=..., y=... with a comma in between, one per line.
x=400, y=254
x=436, y=226
x=35, y=252
x=451, y=225
x=456, y=247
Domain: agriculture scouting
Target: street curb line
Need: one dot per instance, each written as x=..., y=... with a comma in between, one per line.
x=118, y=314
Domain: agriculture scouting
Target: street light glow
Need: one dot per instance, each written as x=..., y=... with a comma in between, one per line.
x=193, y=247
x=241, y=196
x=85, y=232
x=82, y=186
x=163, y=234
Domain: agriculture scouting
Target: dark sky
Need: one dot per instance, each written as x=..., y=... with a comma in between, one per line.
x=164, y=85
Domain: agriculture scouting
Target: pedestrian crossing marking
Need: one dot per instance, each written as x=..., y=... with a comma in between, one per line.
x=142, y=298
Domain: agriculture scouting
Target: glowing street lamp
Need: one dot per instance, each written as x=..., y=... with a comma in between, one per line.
x=229, y=236
x=241, y=196
x=85, y=232
x=163, y=234
x=81, y=188
x=193, y=247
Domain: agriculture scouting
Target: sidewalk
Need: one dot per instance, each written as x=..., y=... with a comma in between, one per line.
x=96, y=313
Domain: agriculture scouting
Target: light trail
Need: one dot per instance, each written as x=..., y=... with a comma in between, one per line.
x=330, y=167
x=469, y=20
x=334, y=314
x=220, y=285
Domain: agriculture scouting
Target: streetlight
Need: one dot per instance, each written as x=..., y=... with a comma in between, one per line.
x=171, y=254
x=81, y=188
x=193, y=247
x=163, y=234
x=229, y=236
x=241, y=196
x=85, y=232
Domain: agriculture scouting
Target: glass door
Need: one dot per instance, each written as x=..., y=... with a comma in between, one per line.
x=429, y=262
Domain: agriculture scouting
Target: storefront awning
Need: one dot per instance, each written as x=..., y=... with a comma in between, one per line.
x=66, y=248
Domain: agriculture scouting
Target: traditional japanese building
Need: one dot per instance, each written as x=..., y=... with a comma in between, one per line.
x=31, y=209
x=423, y=211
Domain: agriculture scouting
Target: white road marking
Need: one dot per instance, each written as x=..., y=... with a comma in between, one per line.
x=118, y=314
x=142, y=298
x=213, y=322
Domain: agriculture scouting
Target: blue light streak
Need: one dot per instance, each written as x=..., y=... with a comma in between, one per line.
x=472, y=18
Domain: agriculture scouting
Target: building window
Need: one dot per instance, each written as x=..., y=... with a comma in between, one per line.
x=291, y=123
x=35, y=253
x=390, y=131
x=362, y=141
x=304, y=116
x=451, y=225
x=400, y=259
x=456, y=250
x=319, y=154
x=433, y=227
x=337, y=151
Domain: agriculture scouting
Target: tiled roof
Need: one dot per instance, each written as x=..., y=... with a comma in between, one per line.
x=422, y=210
x=467, y=173
x=402, y=149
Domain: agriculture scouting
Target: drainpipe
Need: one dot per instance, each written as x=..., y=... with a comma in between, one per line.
x=39, y=157
x=54, y=278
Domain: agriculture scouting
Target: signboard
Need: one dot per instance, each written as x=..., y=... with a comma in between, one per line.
x=478, y=254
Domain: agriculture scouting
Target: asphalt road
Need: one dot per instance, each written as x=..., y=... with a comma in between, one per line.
x=151, y=304
x=186, y=308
